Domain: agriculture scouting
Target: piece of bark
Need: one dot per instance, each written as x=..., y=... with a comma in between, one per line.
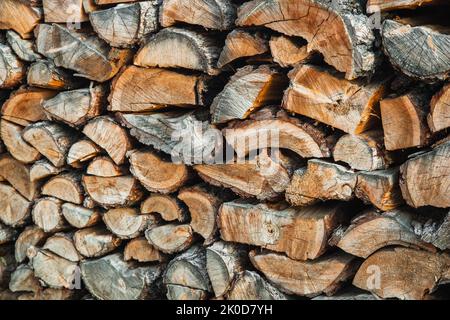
x=164, y=177
x=180, y=293
x=45, y=74
x=12, y=138
x=18, y=175
x=65, y=186
x=374, y=6
x=7, y=234
x=405, y=46
x=112, y=191
x=51, y=139
x=127, y=223
x=31, y=236
x=439, y=118
x=171, y=238
x=101, y=129
x=167, y=206
x=321, y=94
x=23, y=48
x=249, y=285
x=340, y=32
x=79, y=216
x=19, y=16
x=95, y=242
x=301, y=233
x=321, y=181
x=424, y=179
x=403, y=273
x=111, y=278
x=42, y=169
x=211, y=14
x=194, y=51
x=437, y=232
x=62, y=245
x=224, y=261
x=15, y=208
x=47, y=215
x=86, y=54
x=140, y=250
x=12, y=69
x=104, y=166
x=81, y=151
x=288, y=51
x=23, y=280
x=157, y=87
x=249, y=88
x=66, y=11
x=125, y=25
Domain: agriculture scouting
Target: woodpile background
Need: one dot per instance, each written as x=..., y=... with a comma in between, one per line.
x=111, y=107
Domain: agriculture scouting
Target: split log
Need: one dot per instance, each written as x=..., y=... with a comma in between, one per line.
x=178, y=293
x=18, y=175
x=249, y=88
x=81, y=151
x=47, y=215
x=424, y=179
x=140, y=250
x=127, y=223
x=51, y=139
x=404, y=120
x=7, y=234
x=171, y=238
x=66, y=11
x=45, y=74
x=306, y=278
x=89, y=56
x=19, y=16
x=249, y=285
x=95, y=242
x=125, y=25
x=288, y=51
x=323, y=95
x=12, y=70
x=111, y=278
x=23, y=48
x=164, y=176
x=189, y=49
x=15, y=208
x=112, y=191
x=12, y=138
x=403, y=273
x=224, y=261
x=42, y=169
x=406, y=46
x=321, y=181
x=365, y=151
x=437, y=232
x=79, y=216
x=23, y=280
x=341, y=33
x=219, y=15
x=62, y=245
x=240, y=44
x=31, y=236
x=374, y=6
x=101, y=129
x=167, y=206
x=104, y=166
x=66, y=186
x=301, y=233
x=439, y=118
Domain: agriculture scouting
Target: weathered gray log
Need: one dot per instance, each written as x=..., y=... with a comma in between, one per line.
x=95, y=242
x=23, y=48
x=249, y=285
x=79, y=216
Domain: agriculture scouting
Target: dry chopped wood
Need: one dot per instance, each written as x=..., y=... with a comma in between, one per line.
x=288, y=51
x=79, y=216
x=47, y=214
x=249, y=285
x=141, y=250
x=66, y=11
x=29, y=237
x=23, y=48
x=65, y=186
x=42, y=169
x=439, y=118
x=95, y=242
x=127, y=223
x=12, y=70
x=45, y=74
x=81, y=151
x=171, y=238
x=16, y=208
x=167, y=206
x=104, y=166
x=19, y=16
x=18, y=175
x=63, y=245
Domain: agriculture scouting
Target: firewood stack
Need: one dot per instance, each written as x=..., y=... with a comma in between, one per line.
x=117, y=121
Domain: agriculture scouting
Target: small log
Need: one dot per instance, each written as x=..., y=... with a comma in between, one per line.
x=323, y=95
x=111, y=278
x=140, y=250
x=51, y=139
x=18, y=175
x=66, y=11
x=219, y=15
x=101, y=129
x=321, y=181
x=62, y=245
x=167, y=206
x=112, y=191
x=178, y=293
x=16, y=208
x=7, y=234
x=288, y=51
x=249, y=285
x=31, y=236
x=127, y=223
x=424, y=179
x=12, y=138
x=95, y=242
x=195, y=51
x=47, y=215
x=42, y=169
x=249, y=88
x=104, y=166
x=125, y=25
x=224, y=261
x=310, y=278
x=12, y=70
x=374, y=6
x=171, y=238
x=403, y=273
x=79, y=216
x=81, y=151
x=19, y=16
x=65, y=186
x=45, y=74
x=23, y=280
x=23, y=48
x=89, y=56
x=438, y=118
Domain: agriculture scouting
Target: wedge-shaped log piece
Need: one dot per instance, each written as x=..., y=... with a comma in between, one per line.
x=125, y=25
x=321, y=181
x=23, y=48
x=439, y=118
x=51, y=139
x=45, y=74
x=341, y=33
x=19, y=16
x=141, y=250
x=79, y=216
x=66, y=186
x=12, y=138
x=81, y=151
x=66, y=11
x=188, y=49
x=104, y=166
x=323, y=95
x=47, y=215
x=62, y=245
x=211, y=14
x=42, y=169
x=89, y=56
x=18, y=175
x=406, y=46
x=301, y=233
x=12, y=70
x=95, y=241
x=23, y=280
x=306, y=278
x=127, y=223
x=248, y=89
x=171, y=238
x=15, y=208
x=167, y=206
x=249, y=285
x=424, y=179
x=30, y=236
x=288, y=51
x=176, y=292
x=403, y=273
x=7, y=234
x=112, y=191
x=374, y=6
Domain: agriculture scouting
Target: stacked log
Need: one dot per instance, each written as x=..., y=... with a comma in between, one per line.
x=226, y=149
